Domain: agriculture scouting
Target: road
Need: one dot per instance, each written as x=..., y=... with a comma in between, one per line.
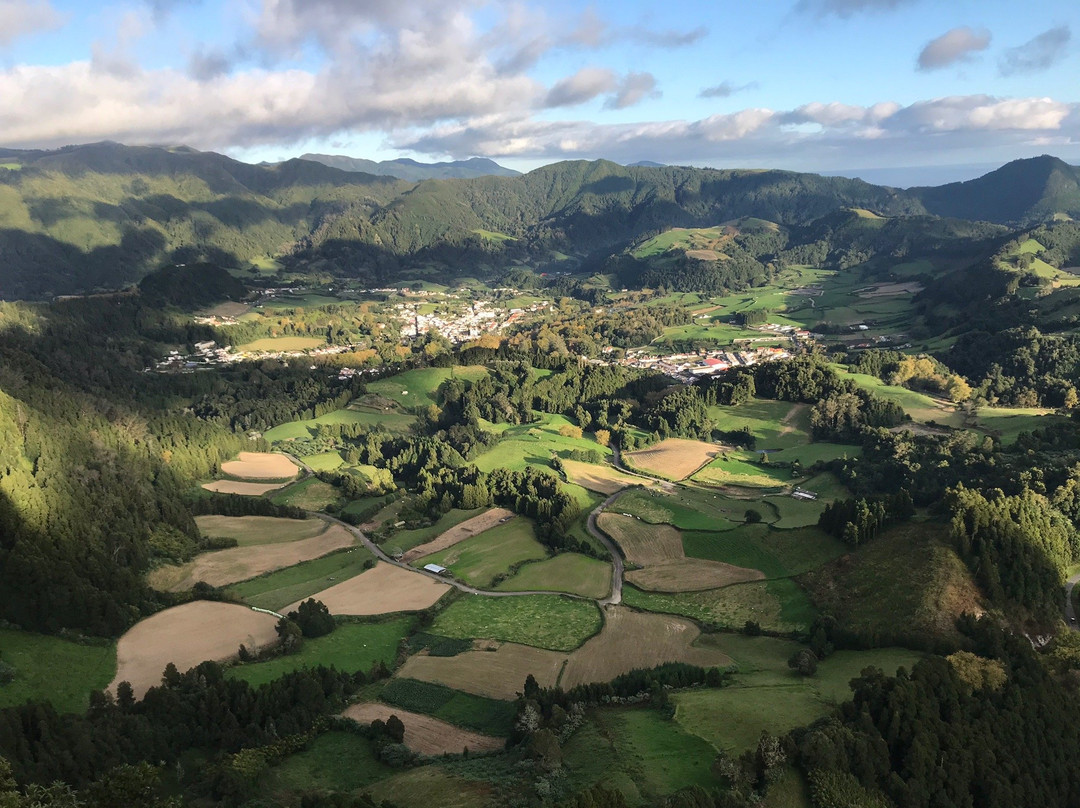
x=1070, y=612
x=617, y=565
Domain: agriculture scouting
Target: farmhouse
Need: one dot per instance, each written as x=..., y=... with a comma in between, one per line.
x=435, y=568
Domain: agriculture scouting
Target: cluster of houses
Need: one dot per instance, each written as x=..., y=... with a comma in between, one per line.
x=689, y=366
x=209, y=354
x=472, y=321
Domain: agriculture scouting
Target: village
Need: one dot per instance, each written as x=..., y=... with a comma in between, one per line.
x=475, y=320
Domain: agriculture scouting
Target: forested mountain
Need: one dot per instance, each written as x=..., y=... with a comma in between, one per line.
x=102, y=215
x=413, y=170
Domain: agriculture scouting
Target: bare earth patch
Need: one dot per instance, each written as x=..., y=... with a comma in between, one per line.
x=259, y=529
x=245, y=489
x=459, y=532
x=676, y=458
x=915, y=428
x=636, y=640
x=240, y=563
x=381, y=590
x=260, y=466
x=690, y=575
x=187, y=635
x=703, y=255
x=424, y=734
x=602, y=479
x=890, y=290
x=498, y=674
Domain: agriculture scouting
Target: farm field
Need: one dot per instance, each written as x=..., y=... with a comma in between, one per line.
x=496, y=674
x=478, y=713
x=431, y=786
x=380, y=590
x=324, y=461
x=342, y=761
x=659, y=550
x=674, y=458
x=777, y=605
x=350, y=647
x=390, y=421
x=249, y=530
x=245, y=489
x=544, y=621
x=775, y=424
x=776, y=553
x=418, y=387
x=221, y=567
x=278, y=589
x=736, y=468
x=633, y=640
x=565, y=572
x=53, y=669
x=260, y=466
x=602, y=479
x=687, y=508
x=459, y=532
x=282, y=344
x=424, y=734
x=401, y=541
x=481, y=559
x=187, y=635
x=919, y=406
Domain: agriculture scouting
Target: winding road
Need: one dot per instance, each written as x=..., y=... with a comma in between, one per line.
x=1070, y=611
x=617, y=565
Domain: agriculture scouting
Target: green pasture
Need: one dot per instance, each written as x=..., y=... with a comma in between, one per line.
x=737, y=468
x=55, y=670
x=324, y=461
x=1007, y=423
x=254, y=530
x=418, y=387
x=277, y=589
x=491, y=235
x=311, y=494
x=334, y=761
x=391, y=421
x=533, y=444
x=478, y=713
x=767, y=696
x=480, y=559
x=566, y=572
x=776, y=605
x=351, y=647
x=919, y=406
x=776, y=553
x=543, y=621
x=775, y=424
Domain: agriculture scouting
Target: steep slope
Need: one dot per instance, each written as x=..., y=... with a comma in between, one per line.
x=1022, y=192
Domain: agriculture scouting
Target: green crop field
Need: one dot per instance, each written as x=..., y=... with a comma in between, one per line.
x=544, y=621
x=686, y=509
x=311, y=494
x=55, y=670
x=282, y=344
x=480, y=714
x=778, y=605
x=418, y=388
x=768, y=696
x=391, y=421
x=277, y=589
x=777, y=553
x=566, y=572
x=252, y=530
x=775, y=424
x=350, y=647
x=340, y=761
x=492, y=553
x=534, y=444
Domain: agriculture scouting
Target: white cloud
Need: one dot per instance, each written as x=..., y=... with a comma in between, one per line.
x=956, y=45
x=21, y=17
x=634, y=89
x=583, y=86
x=726, y=89
x=1037, y=54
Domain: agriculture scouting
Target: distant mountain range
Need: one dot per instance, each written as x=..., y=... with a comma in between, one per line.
x=103, y=215
x=406, y=169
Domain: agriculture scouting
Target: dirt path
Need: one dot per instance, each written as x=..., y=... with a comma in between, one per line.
x=617, y=565
x=786, y=427
x=458, y=533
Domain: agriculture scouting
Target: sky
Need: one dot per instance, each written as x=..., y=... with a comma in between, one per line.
x=886, y=89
